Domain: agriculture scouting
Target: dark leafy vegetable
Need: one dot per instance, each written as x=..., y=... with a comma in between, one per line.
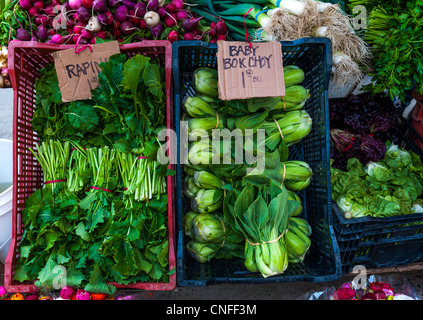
x=360, y=126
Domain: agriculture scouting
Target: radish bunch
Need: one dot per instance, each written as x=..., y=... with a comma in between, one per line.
x=218, y=31
x=86, y=21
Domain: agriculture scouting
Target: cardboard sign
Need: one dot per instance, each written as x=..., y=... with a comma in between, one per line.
x=246, y=72
x=77, y=72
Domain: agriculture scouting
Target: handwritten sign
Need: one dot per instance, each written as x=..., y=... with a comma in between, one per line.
x=247, y=72
x=77, y=72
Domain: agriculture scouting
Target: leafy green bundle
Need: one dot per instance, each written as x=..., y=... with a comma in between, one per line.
x=394, y=32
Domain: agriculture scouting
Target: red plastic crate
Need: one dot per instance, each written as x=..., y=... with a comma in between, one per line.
x=25, y=60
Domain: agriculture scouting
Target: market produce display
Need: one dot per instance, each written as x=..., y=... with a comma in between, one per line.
x=234, y=213
x=102, y=211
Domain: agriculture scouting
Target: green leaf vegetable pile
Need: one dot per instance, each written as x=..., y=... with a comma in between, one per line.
x=393, y=186
x=102, y=213
x=394, y=32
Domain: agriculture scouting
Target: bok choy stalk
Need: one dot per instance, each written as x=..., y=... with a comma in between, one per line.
x=263, y=219
x=207, y=180
x=296, y=174
x=291, y=126
x=205, y=82
x=202, y=252
x=53, y=157
x=295, y=98
x=212, y=236
x=208, y=228
x=190, y=187
x=197, y=107
x=207, y=200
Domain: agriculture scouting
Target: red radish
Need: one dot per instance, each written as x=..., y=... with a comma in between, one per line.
x=212, y=40
x=51, y=32
x=87, y=4
x=116, y=24
x=92, y=40
x=221, y=37
x=213, y=25
x=129, y=4
x=212, y=32
x=25, y=4
x=133, y=18
x=170, y=7
x=75, y=4
x=181, y=15
x=153, y=5
x=117, y=33
x=77, y=29
x=41, y=33
x=162, y=12
x=121, y=13
x=70, y=23
x=120, y=40
x=83, y=14
x=189, y=36
x=179, y=4
x=173, y=36
x=110, y=17
x=75, y=38
x=39, y=5
x=140, y=9
x=143, y=25
x=221, y=27
x=127, y=27
x=57, y=38
x=23, y=35
x=101, y=34
x=33, y=12
x=100, y=6
x=86, y=34
x=190, y=24
x=157, y=30
x=170, y=21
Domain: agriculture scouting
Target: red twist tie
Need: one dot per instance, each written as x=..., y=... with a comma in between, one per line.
x=142, y=157
x=54, y=181
x=97, y=188
x=82, y=48
x=247, y=35
x=350, y=145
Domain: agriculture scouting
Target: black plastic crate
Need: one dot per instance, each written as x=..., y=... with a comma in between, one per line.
x=382, y=242
x=322, y=263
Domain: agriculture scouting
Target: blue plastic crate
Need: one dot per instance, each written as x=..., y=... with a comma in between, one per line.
x=322, y=263
x=382, y=242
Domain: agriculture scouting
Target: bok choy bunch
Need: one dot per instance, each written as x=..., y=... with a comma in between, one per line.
x=263, y=218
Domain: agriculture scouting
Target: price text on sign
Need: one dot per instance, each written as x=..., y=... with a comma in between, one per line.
x=247, y=72
x=77, y=73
